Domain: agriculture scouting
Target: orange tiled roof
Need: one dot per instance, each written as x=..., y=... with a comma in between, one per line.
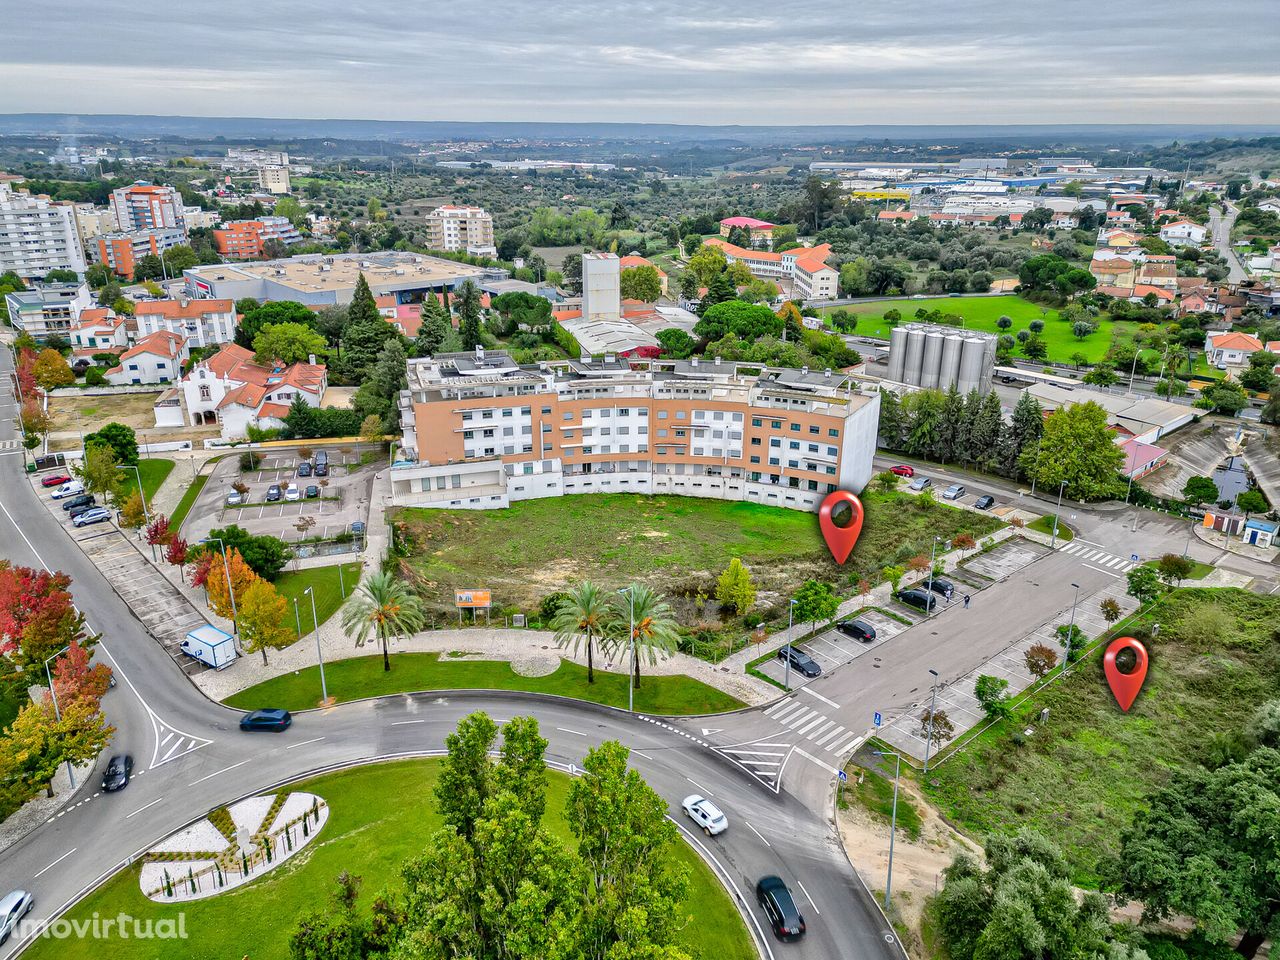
x=184, y=309
x=631, y=261
x=277, y=410
x=1234, y=340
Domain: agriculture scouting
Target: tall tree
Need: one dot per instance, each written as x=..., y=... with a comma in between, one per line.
x=641, y=283
x=434, y=329
x=581, y=619
x=264, y=619
x=1025, y=429
x=466, y=775
x=382, y=607
x=288, y=343
x=362, y=308
x=121, y=439
x=99, y=471
x=51, y=370
x=643, y=625
x=1077, y=447
x=469, y=315
x=815, y=600
x=735, y=588
x=984, y=437
x=221, y=590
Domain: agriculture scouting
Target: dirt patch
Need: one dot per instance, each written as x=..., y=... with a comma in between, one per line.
x=93, y=413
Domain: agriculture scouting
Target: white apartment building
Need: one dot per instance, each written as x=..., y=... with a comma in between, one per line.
x=38, y=235
x=469, y=229
x=48, y=309
x=1183, y=233
x=200, y=322
x=94, y=221
x=147, y=206
x=250, y=158
x=274, y=178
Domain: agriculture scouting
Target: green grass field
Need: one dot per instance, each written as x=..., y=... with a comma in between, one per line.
x=325, y=584
x=153, y=472
x=1045, y=525
x=981, y=313
x=359, y=677
x=875, y=794
x=678, y=545
x=380, y=815
x=188, y=500
x=1080, y=777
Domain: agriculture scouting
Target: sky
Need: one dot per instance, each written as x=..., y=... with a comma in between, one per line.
x=668, y=61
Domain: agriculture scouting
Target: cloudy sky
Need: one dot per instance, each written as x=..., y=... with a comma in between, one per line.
x=681, y=61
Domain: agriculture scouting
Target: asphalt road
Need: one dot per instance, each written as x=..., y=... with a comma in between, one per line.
x=1220, y=230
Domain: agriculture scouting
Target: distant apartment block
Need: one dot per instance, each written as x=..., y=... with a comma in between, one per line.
x=805, y=267
x=48, y=309
x=239, y=158
x=480, y=431
x=147, y=206
x=93, y=221
x=274, y=178
x=201, y=322
x=37, y=235
x=760, y=232
x=467, y=229
x=122, y=251
x=245, y=239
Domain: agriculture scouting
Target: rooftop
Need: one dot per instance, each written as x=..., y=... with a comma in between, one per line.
x=317, y=272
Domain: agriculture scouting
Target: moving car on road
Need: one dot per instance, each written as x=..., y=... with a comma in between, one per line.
x=918, y=597
x=705, y=814
x=276, y=721
x=903, y=470
x=953, y=492
x=858, y=629
x=55, y=480
x=119, y=769
x=80, y=500
x=780, y=907
x=919, y=483
x=13, y=908
x=90, y=516
x=984, y=502
x=800, y=661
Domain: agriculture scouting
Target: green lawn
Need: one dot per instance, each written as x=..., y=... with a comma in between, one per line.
x=875, y=794
x=188, y=500
x=1080, y=777
x=359, y=677
x=153, y=473
x=380, y=815
x=981, y=313
x=1045, y=525
x=325, y=584
x=1199, y=570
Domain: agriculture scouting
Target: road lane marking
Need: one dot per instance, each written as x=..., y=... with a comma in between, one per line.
x=794, y=709
x=810, y=725
x=150, y=805
x=1090, y=542
x=784, y=703
x=401, y=723
x=58, y=861
x=831, y=736
x=757, y=833
x=822, y=763
x=576, y=733
x=809, y=898
x=803, y=717
x=639, y=754
x=830, y=703
x=760, y=753
x=822, y=729
x=704, y=790
x=303, y=743
x=216, y=772
x=847, y=745
x=1100, y=570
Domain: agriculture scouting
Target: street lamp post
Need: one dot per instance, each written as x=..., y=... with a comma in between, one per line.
x=928, y=612
x=315, y=625
x=57, y=711
x=296, y=618
x=893, y=821
x=1071, y=628
x=631, y=640
x=141, y=493
x=933, y=702
x=231, y=589
x=791, y=615
x=1057, y=514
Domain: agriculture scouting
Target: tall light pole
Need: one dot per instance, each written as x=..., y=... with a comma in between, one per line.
x=933, y=702
x=928, y=612
x=1071, y=628
x=315, y=625
x=231, y=590
x=1057, y=513
x=296, y=618
x=141, y=493
x=57, y=711
x=893, y=821
x=631, y=641
x=791, y=615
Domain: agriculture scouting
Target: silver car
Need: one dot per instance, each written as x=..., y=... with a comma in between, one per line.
x=953, y=492
x=919, y=483
x=705, y=814
x=13, y=908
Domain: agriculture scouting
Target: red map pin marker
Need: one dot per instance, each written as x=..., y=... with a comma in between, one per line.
x=840, y=540
x=1125, y=686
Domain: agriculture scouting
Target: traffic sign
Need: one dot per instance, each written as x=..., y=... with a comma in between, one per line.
x=878, y=718
x=1134, y=558
x=843, y=777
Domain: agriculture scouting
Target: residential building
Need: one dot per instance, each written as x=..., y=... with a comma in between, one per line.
x=633, y=260
x=147, y=206
x=1271, y=205
x=760, y=232
x=469, y=229
x=231, y=390
x=122, y=251
x=245, y=239
x=37, y=235
x=156, y=358
x=1141, y=458
x=805, y=267
x=98, y=330
x=322, y=280
x=1183, y=233
x=93, y=222
x=274, y=178
x=200, y=322
x=197, y=218
x=897, y=216
x=1230, y=348
x=251, y=158
x=48, y=308
x=480, y=431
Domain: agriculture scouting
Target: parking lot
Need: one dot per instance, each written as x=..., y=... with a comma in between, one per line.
x=832, y=649
x=343, y=497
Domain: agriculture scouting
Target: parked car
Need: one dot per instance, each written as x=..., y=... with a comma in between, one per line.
x=919, y=483
x=273, y=493
x=55, y=480
x=312, y=491
x=277, y=721
x=235, y=498
x=953, y=492
x=940, y=586
x=292, y=493
x=918, y=597
x=304, y=468
x=780, y=907
x=705, y=814
x=90, y=516
x=119, y=769
x=800, y=661
x=903, y=470
x=72, y=488
x=858, y=629
x=80, y=500
x=13, y=908
x=322, y=469
x=984, y=502
x=357, y=528
x=82, y=509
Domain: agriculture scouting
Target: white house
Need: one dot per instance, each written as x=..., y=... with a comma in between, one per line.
x=229, y=389
x=202, y=322
x=98, y=330
x=156, y=358
x=1183, y=233
x=1271, y=205
x=1230, y=348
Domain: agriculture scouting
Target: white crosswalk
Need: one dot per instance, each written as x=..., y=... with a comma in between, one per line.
x=1090, y=555
x=804, y=729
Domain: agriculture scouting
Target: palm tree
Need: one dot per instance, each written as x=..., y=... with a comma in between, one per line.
x=582, y=615
x=385, y=607
x=641, y=612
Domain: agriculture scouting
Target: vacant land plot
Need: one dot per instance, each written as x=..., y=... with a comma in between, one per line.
x=153, y=473
x=678, y=545
x=88, y=414
x=329, y=585
x=1081, y=776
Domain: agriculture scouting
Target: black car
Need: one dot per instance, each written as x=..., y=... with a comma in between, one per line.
x=81, y=500
x=312, y=491
x=277, y=721
x=322, y=469
x=858, y=629
x=800, y=660
x=304, y=469
x=273, y=493
x=116, y=776
x=985, y=502
x=944, y=588
x=780, y=907
x=918, y=597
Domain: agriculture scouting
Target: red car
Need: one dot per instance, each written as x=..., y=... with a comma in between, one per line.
x=903, y=470
x=55, y=480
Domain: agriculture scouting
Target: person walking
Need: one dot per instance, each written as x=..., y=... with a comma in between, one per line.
x=966, y=601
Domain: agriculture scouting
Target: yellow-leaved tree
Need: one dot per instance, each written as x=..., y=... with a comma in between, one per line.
x=263, y=620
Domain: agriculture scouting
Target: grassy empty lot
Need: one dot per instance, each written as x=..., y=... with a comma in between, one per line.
x=153, y=473
x=1080, y=777
x=326, y=585
x=679, y=545
x=364, y=677
x=380, y=815
x=92, y=413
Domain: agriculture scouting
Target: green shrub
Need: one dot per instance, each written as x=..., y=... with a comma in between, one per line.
x=249, y=461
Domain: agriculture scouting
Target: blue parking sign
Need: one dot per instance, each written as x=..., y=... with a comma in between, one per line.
x=877, y=718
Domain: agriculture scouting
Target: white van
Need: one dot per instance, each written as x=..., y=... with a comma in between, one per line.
x=69, y=489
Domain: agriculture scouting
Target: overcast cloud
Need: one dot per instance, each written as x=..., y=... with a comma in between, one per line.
x=681, y=61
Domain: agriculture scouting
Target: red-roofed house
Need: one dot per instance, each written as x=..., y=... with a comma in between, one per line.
x=760, y=231
x=896, y=216
x=98, y=330
x=1230, y=348
x=1183, y=233
x=1141, y=458
x=806, y=267
x=156, y=358
x=228, y=388
x=633, y=260
x=201, y=322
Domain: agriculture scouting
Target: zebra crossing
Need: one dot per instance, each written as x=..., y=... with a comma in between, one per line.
x=10, y=446
x=804, y=728
x=1089, y=554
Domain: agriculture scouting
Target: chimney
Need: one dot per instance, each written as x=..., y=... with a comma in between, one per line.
x=479, y=353
x=804, y=369
x=183, y=301
x=827, y=373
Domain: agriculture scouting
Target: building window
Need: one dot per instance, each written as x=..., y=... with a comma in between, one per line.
x=813, y=448
x=204, y=391
x=755, y=421
x=546, y=410
x=795, y=428
x=507, y=411
x=832, y=432
x=776, y=424
x=662, y=414
x=755, y=459
x=468, y=434
x=775, y=442
x=794, y=445
x=755, y=441
x=813, y=429
x=832, y=451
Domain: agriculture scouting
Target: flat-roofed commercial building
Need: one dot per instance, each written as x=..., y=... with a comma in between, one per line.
x=480, y=431
x=469, y=229
x=322, y=280
x=38, y=235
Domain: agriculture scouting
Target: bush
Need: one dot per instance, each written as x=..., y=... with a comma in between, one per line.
x=94, y=377
x=249, y=461
x=550, y=604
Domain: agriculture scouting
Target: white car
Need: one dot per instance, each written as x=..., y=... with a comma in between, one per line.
x=292, y=492
x=953, y=492
x=69, y=489
x=705, y=814
x=13, y=908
